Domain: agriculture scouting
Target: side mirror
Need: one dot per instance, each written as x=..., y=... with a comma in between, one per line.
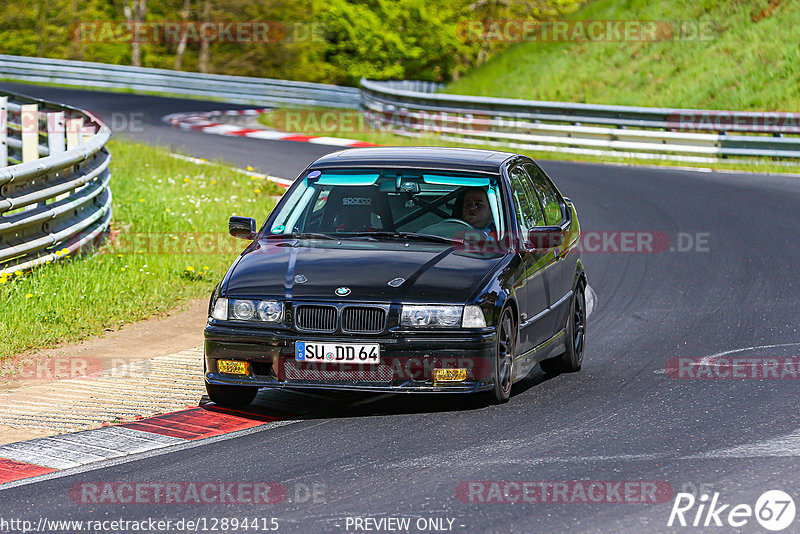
x=242, y=227
x=544, y=238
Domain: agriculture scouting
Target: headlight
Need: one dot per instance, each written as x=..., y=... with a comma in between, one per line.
x=243, y=309
x=431, y=316
x=268, y=311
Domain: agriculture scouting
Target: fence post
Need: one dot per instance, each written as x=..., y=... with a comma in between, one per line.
x=29, y=121
x=56, y=132
x=3, y=131
x=74, y=129
x=57, y=138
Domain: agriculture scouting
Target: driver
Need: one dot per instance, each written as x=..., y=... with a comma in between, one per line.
x=473, y=208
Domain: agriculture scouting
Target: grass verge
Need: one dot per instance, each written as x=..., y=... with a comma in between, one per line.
x=720, y=54
x=169, y=243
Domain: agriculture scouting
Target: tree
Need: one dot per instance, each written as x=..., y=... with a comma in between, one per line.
x=186, y=15
x=205, y=44
x=135, y=12
x=333, y=41
x=416, y=39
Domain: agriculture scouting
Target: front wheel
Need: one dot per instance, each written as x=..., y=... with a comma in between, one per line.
x=231, y=395
x=571, y=359
x=504, y=359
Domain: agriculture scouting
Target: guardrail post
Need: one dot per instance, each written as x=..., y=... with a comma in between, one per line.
x=56, y=132
x=3, y=131
x=74, y=130
x=29, y=120
x=57, y=138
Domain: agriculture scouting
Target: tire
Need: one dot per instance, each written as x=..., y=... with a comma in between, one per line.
x=505, y=347
x=571, y=360
x=231, y=395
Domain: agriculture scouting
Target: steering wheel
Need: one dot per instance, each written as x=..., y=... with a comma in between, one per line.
x=456, y=220
x=448, y=228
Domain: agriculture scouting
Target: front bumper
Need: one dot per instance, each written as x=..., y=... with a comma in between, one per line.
x=407, y=360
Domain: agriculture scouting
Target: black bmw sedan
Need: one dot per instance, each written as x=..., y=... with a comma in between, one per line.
x=402, y=270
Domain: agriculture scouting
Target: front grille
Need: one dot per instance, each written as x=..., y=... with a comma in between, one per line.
x=327, y=372
x=316, y=318
x=363, y=320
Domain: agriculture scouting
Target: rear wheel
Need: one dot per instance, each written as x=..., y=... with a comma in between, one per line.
x=231, y=395
x=572, y=359
x=504, y=359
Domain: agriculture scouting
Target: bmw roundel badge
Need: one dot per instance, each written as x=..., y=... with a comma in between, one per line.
x=342, y=291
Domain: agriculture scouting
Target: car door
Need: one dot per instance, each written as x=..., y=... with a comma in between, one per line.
x=533, y=296
x=560, y=269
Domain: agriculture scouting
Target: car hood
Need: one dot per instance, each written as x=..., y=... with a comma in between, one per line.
x=313, y=270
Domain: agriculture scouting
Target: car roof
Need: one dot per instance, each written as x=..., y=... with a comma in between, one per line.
x=467, y=159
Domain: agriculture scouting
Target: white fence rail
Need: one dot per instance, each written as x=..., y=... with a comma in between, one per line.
x=413, y=108
x=54, y=177
x=237, y=89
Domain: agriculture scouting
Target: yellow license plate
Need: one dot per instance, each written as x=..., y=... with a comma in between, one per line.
x=232, y=367
x=449, y=375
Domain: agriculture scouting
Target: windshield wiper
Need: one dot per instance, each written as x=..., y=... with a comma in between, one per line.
x=302, y=235
x=410, y=236
x=376, y=235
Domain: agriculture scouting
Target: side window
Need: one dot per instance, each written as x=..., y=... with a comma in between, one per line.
x=526, y=205
x=551, y=200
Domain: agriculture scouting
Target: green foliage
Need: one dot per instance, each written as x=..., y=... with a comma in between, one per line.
x=415, y=39
x=750, y=61
x=334, y=41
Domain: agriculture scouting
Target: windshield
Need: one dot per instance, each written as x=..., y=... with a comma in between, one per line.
x=380, y=202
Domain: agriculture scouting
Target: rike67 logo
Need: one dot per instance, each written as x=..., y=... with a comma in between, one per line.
x=774, y=510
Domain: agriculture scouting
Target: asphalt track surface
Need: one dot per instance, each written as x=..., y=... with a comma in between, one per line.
x=622, y=418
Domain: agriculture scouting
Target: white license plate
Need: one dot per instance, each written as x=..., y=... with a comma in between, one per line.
x=313, y=351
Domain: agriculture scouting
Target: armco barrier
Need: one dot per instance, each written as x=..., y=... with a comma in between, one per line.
x=54, y=178
x=414, y=107
x=237, y=89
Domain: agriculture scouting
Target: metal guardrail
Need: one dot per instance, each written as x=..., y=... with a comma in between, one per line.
x=237, y=89
x=413, y=108
x=54, y=178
